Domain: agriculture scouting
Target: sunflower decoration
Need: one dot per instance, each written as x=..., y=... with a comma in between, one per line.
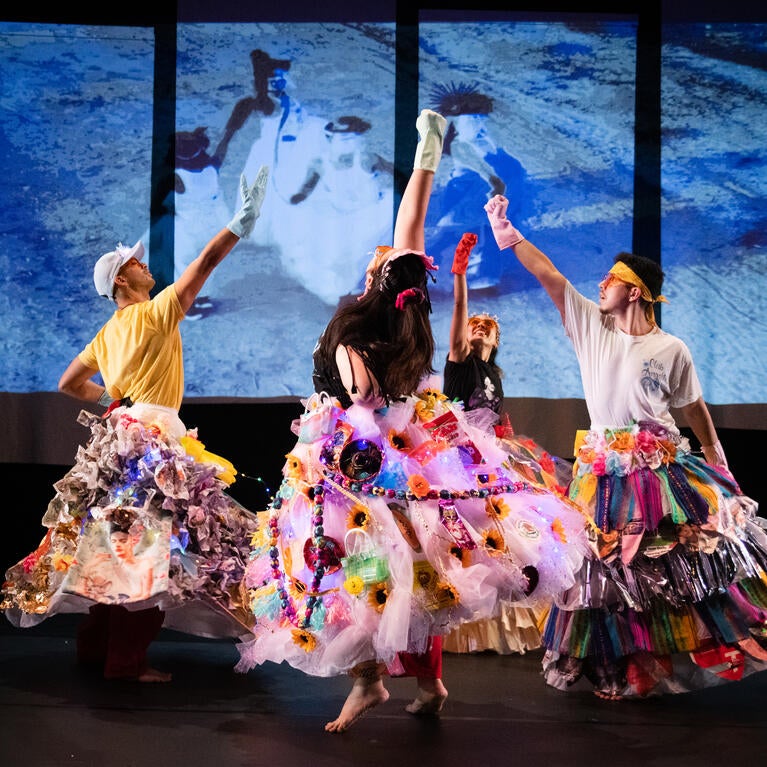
x=354, y=585
x=358, y=517
x=306, y=641
x=496, y=507
x=559, y=529
x=461, y=554
x=419, y=485
x=379, y=593
x=399, y=440
x=445, y=594
x=494, y=542
x=296, y=588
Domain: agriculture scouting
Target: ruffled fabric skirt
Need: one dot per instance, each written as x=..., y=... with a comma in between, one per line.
x=394, y=525
x=515, y=629
x=142, y=519
x=677, y=597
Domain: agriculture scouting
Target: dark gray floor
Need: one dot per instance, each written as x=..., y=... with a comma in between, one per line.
x=499, y=712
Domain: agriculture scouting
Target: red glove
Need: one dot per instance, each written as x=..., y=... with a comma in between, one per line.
x=462, y=252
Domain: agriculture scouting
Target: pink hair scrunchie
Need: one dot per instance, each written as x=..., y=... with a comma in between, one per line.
x=408, y=296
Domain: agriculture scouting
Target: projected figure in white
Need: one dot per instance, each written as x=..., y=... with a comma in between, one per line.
x=331, y=201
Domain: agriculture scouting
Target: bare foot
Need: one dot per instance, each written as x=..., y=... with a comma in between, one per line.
x=153, y=675
x=431, y=697
x=365, y=694
x=608, y=694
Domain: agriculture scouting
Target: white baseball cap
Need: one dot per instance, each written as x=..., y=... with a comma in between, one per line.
x=106, y=268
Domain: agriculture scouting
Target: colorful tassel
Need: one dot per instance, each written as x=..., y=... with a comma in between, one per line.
x=695, y=507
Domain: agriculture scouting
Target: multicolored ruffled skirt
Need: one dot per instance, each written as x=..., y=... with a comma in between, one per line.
x=142, y=519
x=394, y=525
x=676, y=598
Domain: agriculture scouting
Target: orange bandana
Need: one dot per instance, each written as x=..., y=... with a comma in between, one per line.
x=626, y=274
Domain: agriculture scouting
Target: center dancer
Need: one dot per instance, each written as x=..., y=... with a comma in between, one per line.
x=392, y=524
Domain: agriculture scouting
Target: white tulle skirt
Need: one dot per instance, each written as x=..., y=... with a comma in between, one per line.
x=394, y=525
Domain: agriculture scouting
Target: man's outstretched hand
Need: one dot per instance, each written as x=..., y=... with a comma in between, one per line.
x=252, y=198
x=503, y=230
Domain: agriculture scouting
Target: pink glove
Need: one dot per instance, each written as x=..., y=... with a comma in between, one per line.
x=462, y=252
x=503, y=230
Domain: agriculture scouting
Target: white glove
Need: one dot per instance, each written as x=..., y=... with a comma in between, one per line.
x=714, y=455
x=252, y=198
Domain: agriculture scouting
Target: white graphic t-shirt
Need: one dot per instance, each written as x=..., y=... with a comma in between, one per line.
x=628, y=378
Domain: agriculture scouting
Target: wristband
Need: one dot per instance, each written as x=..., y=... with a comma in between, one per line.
x=105, y=400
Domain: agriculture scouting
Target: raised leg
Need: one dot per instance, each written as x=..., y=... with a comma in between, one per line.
x=411, y=214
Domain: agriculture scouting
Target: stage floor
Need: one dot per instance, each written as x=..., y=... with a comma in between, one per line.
x=499, y=713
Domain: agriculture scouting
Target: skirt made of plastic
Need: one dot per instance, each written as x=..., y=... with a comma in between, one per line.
x=142, y=519
x=676, y=598
x=394, y=525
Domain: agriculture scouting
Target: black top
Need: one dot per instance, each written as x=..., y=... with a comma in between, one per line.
x=475, y=382
x=326, y=377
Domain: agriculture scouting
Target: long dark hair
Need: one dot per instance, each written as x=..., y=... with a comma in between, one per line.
x=389, y=326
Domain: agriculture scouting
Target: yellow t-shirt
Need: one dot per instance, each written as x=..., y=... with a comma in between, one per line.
x=139, y=354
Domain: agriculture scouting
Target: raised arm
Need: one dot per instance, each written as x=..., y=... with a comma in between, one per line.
x=459, y=332
x=535, y=261
x=189, y=284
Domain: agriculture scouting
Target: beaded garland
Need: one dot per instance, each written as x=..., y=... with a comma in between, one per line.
x=316, y=494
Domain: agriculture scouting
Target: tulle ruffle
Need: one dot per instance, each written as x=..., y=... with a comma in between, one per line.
x=134, y=474
x=394, y=525
x=514, y=630
x=677, y=598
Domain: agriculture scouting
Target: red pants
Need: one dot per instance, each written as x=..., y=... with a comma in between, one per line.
x=427, y=665
x=117, y=639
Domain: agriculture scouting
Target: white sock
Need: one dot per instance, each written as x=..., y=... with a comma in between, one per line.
x=431, y=127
